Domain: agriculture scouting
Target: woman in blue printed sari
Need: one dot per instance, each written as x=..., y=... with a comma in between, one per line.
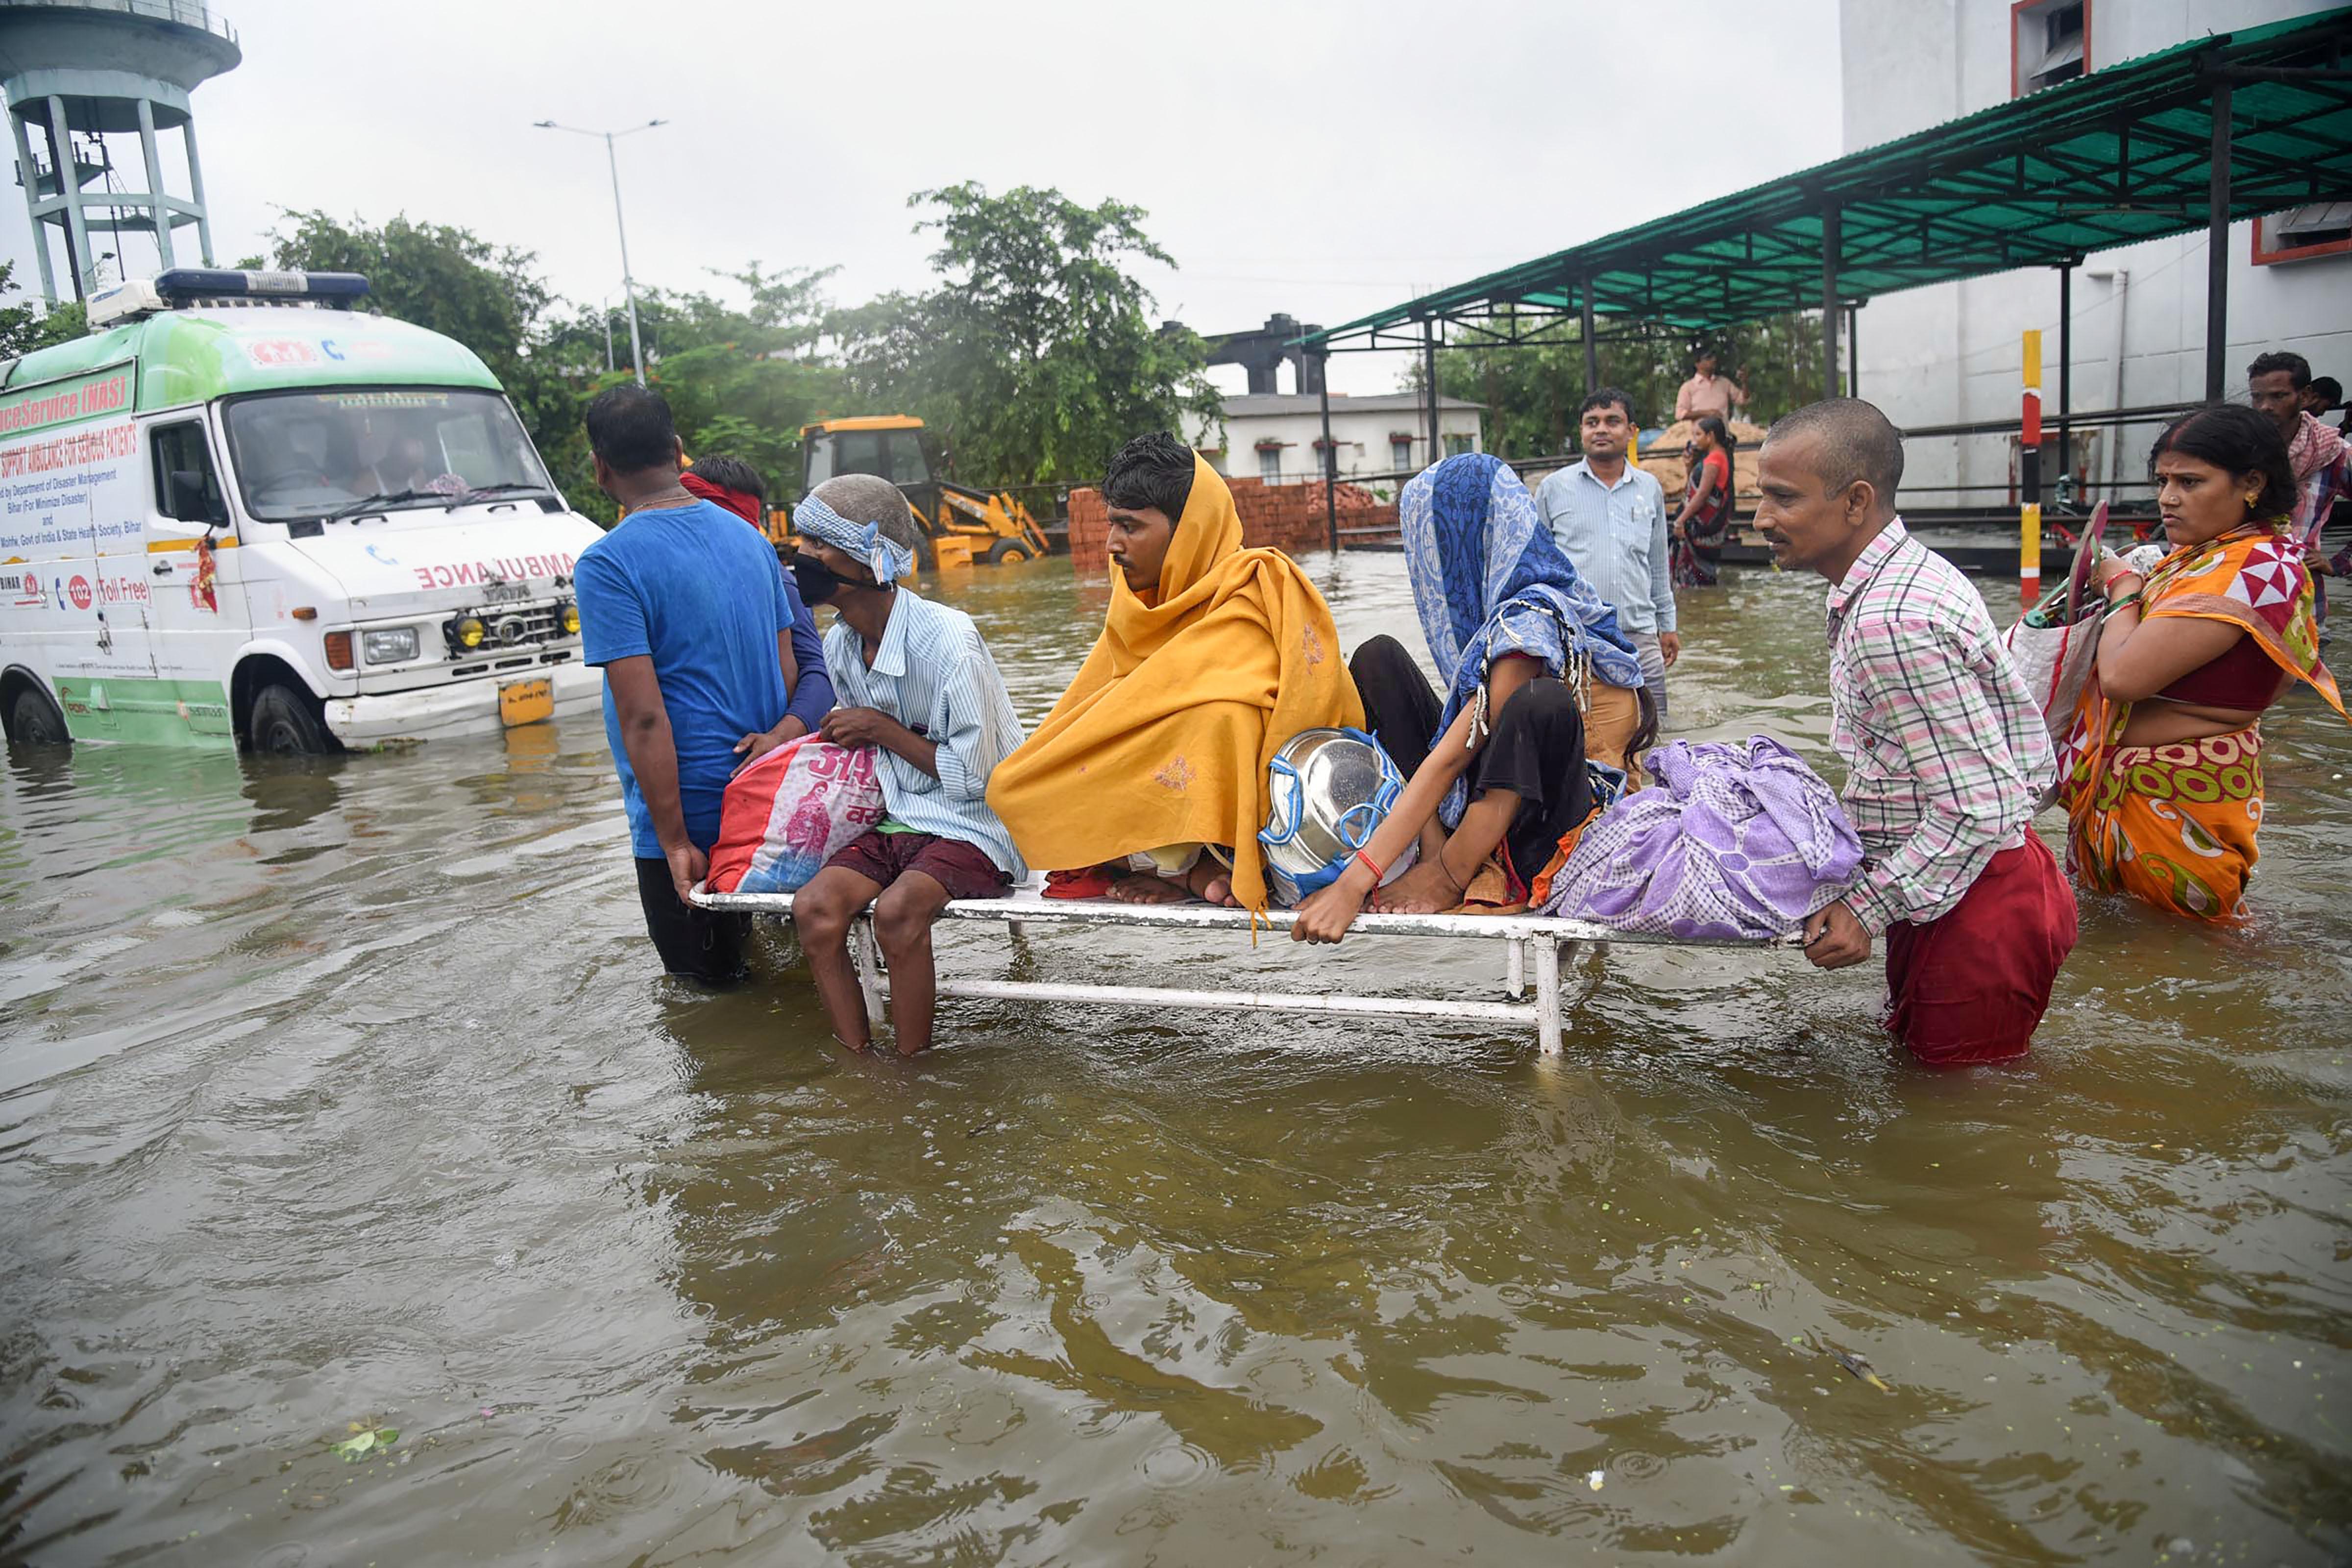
x=1538, y=677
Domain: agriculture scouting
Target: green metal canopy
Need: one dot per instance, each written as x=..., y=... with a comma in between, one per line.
x=2230, y=126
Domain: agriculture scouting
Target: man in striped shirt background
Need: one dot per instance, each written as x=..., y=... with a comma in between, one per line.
x=1946, y=755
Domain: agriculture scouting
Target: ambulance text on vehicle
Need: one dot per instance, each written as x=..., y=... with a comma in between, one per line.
x=239, y=510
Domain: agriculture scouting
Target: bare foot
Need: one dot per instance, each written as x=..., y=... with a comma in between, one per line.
x=1211, y=885
x=1142, y=888
x=1423, y=891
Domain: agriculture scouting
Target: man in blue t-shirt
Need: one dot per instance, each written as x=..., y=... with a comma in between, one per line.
x=688, y=611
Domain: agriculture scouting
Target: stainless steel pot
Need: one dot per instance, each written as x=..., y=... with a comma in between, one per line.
x=1327, y=790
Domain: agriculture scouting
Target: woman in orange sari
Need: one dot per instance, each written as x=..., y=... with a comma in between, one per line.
x=2165, y=793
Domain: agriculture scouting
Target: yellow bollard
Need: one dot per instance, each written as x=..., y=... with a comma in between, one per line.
x=2029, y=468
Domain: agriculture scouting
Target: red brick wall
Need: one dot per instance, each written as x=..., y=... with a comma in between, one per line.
x=1287, y=517
x=1088, y=523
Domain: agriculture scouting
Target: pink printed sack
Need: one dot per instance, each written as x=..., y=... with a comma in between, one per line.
x=788, y=814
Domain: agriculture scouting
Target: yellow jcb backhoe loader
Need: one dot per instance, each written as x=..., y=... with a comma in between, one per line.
x=954, y=524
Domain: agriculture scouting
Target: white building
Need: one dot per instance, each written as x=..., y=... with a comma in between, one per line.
x=1278, y=436
x=1951, y=353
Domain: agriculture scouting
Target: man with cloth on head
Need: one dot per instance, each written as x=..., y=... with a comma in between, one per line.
x=1211, y=657
x=1946, y=755
x=916, y=682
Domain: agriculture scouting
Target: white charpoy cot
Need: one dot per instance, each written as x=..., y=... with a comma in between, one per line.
x=1530, y=942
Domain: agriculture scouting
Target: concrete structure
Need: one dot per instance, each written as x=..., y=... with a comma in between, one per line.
x=97, y=83
x=1278, y=436
x=1263, y=351
x=1949, y=353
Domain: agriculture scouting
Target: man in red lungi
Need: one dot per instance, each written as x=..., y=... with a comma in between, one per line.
x=1943, y=750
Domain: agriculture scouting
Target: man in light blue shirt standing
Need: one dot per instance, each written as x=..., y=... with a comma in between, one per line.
x=1610, y=518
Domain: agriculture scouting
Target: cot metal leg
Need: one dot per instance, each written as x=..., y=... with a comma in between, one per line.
x=869, y=969
x=1017, y=929
x=1515, y=971
x=1546, y=957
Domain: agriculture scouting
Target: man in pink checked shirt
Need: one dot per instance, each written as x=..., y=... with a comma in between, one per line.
x=2278, y=384
x=1945, y=753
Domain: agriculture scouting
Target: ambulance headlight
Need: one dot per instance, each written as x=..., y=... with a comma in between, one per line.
x=390, y=646
x=465, y=633
x=568, y=618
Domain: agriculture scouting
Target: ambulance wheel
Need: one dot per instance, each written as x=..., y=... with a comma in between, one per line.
x=33, y=719
x=287, y=723
x=1005, y=550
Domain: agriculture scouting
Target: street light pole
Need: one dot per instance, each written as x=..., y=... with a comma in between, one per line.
x=628, y=282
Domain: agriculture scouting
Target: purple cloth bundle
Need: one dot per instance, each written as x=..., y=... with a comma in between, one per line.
x=1734, y=840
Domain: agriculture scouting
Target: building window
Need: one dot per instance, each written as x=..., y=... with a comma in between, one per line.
x=2050, y=42
x=1399, y=453
x=2315, y=228
x=1456, y=443
x=1269, y=463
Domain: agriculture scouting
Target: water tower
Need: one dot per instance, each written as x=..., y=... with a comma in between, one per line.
x=92, y=86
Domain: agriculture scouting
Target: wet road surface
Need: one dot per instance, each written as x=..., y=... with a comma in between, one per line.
x=344, y=1096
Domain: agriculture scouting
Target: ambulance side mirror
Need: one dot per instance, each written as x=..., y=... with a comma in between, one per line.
x=193, y=500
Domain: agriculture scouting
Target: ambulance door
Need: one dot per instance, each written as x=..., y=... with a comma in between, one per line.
x=195, y=602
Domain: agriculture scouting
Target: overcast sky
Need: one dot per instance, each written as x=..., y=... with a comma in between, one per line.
x=1321, y=159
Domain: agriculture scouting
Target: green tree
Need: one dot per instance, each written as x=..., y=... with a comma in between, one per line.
x=1532, y=394
x=489, y=298
x=1035, y=357
x=740, y=379
x=26, y=327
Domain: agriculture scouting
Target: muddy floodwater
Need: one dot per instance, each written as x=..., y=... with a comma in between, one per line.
x=342, y=1098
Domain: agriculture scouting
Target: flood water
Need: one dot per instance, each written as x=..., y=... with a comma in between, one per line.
x=348, y=1093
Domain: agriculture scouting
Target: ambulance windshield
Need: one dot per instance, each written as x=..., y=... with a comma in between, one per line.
x=313, y=454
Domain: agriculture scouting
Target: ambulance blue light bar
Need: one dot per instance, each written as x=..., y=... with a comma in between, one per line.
x=226, y=283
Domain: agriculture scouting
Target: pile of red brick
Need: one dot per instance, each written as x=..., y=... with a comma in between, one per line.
x=1287, y=517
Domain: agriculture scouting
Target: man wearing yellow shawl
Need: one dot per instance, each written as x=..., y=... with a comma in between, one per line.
x=1211, y=657
x=2164, y=787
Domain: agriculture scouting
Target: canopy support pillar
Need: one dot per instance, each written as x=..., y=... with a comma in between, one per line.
x=1852, y=352
x=1828, y=302
x=2066, y=380
x=1330, y=463
x=1591, y=349
x=2217, y=245
x=1429, y=380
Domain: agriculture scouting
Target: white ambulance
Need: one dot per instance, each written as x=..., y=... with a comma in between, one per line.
x=242, y=511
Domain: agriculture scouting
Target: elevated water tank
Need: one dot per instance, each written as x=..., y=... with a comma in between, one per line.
x=93, y=87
